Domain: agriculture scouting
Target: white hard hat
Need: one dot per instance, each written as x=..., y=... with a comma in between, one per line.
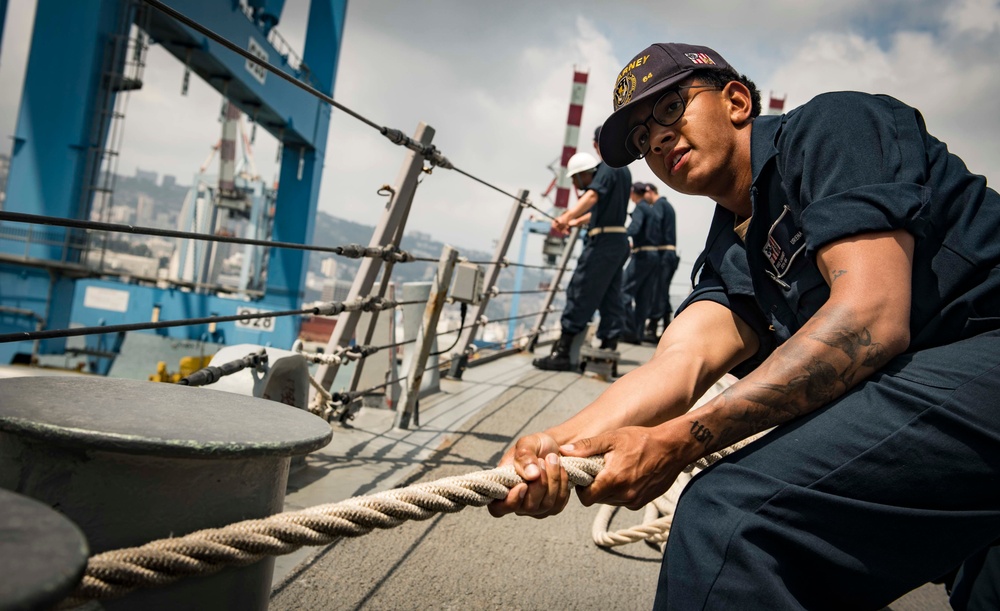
x=581, y=162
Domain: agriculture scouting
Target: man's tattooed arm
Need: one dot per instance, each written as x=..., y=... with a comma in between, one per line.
x=818, y=364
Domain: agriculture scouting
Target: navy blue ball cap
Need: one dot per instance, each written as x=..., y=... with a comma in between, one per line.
x=657, y=68
x=639, y=188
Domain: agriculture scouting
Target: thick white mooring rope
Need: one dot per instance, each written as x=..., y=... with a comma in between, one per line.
x=118, y=572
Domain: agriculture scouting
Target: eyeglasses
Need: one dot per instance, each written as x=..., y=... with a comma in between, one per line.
x=667, y=110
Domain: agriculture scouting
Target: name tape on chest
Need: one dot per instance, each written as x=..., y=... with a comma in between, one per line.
x=784, y=243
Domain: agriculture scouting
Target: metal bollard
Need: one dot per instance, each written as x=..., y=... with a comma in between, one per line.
x=131, y=462
x=42, y=554
x=284, y=378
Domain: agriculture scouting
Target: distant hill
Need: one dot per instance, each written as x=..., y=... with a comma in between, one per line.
x=333, y=231
x=168, y=197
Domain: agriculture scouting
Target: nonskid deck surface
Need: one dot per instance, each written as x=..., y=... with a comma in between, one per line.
x=470, y=560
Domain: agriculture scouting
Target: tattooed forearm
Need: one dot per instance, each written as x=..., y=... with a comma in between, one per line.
x=821, y=383
x=848, y=342
x=814, y=377
x=876, y=356
x=701, y=433
x=854, y=344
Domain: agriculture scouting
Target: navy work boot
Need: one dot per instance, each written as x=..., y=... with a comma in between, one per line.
x=650, y=335
x=559, y=359
x=609, y=344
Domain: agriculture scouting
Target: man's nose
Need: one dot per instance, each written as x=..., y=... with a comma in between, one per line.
x=660, y=137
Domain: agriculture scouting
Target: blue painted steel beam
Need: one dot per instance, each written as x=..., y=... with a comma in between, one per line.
x=3, y=17
x=54, y=133
x=285, y=111
x=62, y=89
x=301, y=168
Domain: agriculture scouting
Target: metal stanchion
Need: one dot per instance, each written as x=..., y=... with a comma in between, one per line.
x=407, y=409
x=460, y=358
x=390, y=227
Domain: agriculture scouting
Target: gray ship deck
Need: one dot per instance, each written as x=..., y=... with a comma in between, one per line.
x=470, y=560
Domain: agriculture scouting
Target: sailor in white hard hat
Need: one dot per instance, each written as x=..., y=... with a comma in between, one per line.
x=596, y=284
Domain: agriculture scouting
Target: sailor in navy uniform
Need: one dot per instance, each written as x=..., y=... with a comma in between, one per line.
x=662, y=309
x=642, y=275
x=851, y=280
x=596, y=285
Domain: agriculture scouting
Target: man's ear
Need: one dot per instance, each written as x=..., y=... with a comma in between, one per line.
x=740, y=102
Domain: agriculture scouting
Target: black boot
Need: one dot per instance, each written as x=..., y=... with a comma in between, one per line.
x=631, y=339
x=559, y=359
x=609, y=344
x=650, y=335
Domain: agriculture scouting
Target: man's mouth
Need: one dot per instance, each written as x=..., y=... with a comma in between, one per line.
x=677, y=159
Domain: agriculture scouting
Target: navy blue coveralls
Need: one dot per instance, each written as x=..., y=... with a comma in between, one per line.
x=668, y=261
x=641, y=284
x=596, y=284
x=896, y=482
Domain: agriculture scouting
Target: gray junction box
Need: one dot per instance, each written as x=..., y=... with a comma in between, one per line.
x=468, y=284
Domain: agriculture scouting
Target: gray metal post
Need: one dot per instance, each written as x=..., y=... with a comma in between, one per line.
x=460, y=358
x=130, y=462
x=359, y=367
x=389, y=226
x=425, y=339
x=563, y=261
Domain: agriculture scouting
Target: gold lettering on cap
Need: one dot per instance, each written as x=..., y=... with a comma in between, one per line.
x=632, y=66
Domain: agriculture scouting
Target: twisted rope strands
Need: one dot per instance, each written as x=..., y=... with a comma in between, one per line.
x=118, y=572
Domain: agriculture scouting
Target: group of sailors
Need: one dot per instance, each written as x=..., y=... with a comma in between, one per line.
x=633, y=300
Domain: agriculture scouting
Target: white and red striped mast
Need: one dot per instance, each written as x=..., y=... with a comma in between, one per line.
x=775, y=105
x=554, y=240
x=572, y=137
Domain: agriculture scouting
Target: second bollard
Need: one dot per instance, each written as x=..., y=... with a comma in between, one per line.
x=130, y=462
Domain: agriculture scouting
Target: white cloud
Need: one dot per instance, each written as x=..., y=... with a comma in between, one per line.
x=945, y=77
x=975, y=17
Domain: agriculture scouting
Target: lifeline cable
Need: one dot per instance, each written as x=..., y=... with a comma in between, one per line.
x=351, y=251
x=214, y=373
x=332, y=308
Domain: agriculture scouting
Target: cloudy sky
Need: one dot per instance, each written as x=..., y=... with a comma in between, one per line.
x=493, y=79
